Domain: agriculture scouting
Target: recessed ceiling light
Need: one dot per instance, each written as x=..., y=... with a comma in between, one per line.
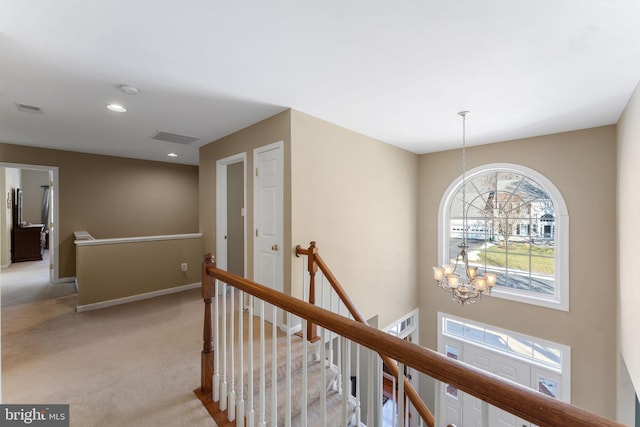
x=172, y=155
x=116, y=107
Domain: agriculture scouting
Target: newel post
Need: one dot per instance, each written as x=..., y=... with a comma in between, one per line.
x=312, y=267
x=208, y=294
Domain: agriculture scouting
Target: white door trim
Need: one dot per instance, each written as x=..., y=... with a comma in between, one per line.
x=221, y=208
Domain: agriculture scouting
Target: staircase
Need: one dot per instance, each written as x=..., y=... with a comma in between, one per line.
x=266, y=384
x=254, y=374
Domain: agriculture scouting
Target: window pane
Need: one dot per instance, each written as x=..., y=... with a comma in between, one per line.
x=510, y=230
x=473, y=333
x=547, y=355
x=521, y=347
x=454, y=328
x=547, y=386
x=496, y=339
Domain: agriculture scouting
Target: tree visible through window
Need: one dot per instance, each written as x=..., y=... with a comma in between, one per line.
x=510, y=230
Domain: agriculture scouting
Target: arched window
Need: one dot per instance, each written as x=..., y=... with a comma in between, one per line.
x=517, y=226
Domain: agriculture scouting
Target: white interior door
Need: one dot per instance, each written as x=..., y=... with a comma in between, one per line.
x=268, y=219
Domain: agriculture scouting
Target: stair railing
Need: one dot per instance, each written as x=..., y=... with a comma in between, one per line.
x=315, y=262
x=528, y=404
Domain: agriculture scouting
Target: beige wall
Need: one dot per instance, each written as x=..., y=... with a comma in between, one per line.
x=629, y=235
x=114, y=197
x=582, y=165
x=357, y=197
x=274, y=129
x=142, y=268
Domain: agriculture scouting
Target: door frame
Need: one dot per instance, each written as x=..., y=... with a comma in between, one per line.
x=221, y=208
x=54, y=273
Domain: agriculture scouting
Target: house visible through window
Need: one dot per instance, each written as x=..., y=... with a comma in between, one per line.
x=513, y=215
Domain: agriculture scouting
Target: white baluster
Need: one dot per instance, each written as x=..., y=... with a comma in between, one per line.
x=231, y=413
x=240, y=395
x=287, y=406
x=251, y=410
x=394, y=401
x=216, y=344
x=371, y=376
x=344, y=344
x=380, y=379
x=223, y=379
x=262, y=406
x=323, y=361
x=305, y=367
x=274, y=369
x=401, y=419
x=323, y=396
x=358, y=408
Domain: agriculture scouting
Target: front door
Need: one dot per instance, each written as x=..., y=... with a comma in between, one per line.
x=268, y=220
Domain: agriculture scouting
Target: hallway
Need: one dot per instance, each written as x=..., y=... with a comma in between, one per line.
x=131, y=365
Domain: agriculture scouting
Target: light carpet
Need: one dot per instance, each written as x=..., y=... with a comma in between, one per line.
x=135, y=364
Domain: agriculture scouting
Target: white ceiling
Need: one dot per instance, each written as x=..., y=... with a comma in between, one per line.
x=395, y=70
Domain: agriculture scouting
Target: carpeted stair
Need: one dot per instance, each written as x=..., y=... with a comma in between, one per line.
x=315, y=384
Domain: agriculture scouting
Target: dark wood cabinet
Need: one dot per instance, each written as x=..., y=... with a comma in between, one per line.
x=27, y=243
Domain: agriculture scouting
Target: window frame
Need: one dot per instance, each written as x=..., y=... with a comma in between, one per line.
x=560, y=299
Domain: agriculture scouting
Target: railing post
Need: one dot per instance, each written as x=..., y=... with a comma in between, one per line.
x=312, y=268
x=208, y=294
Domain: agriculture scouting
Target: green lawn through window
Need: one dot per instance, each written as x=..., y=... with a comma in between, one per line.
x=542, y=257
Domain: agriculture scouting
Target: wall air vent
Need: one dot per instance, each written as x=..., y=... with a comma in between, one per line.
x=172, y=137
x=29, y=108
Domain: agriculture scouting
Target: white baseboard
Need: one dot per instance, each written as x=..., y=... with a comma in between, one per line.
x=139, y=297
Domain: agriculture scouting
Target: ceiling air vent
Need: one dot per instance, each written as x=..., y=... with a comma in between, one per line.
x=29, y=108
x=172, y=137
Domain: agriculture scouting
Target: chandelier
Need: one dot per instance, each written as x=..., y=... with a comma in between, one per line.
x=468, y=287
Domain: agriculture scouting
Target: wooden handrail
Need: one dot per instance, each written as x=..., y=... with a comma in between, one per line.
x=516, y=399
x=317, y=261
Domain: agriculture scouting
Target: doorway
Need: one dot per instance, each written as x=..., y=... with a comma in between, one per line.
x=39, y=186
x=230, y=214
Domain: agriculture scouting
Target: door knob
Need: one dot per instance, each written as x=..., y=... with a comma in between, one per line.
x=275, y=248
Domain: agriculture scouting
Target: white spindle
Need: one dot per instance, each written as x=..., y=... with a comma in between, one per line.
x=240, y=395
x=231, y=413
x=287, y=405
x=394, y=401
x=216, y=344
x=371, y=377
x=344, y=344
x=380, y=378
x=274, y=368
x=340, y=359
x=358, y=408
x=323, y=361
x=223, y=379
x=401, y=419
x=251, y=409
x=305, y=367
x=262, y=407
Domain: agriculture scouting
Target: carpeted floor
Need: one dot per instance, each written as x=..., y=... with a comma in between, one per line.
x=131, y=365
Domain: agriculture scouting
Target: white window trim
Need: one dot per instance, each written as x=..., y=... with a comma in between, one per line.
x=560, y=300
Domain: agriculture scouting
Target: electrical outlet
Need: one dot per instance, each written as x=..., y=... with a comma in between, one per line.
x=183, y=266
